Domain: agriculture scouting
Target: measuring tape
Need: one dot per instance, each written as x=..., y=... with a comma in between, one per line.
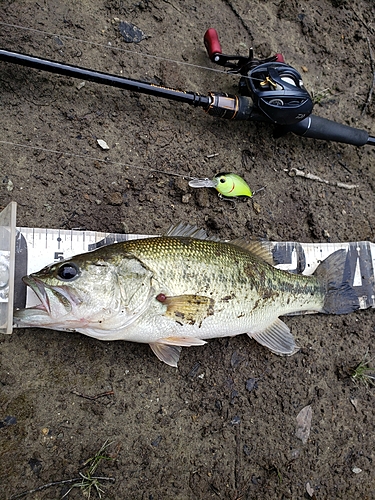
x=26, y=250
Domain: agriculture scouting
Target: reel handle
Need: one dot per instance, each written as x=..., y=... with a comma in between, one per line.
x=212, y=44
x=234, y=63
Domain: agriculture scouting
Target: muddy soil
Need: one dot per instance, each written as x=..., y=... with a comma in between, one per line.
x=222, y=425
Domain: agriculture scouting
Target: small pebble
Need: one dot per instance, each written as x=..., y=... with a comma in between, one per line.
x=156, y=441
x=102, y=144
x=115, y=198
x=130, y=32
x=251, y=384
x=186, y=198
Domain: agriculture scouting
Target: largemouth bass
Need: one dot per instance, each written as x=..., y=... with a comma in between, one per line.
x=180, y=290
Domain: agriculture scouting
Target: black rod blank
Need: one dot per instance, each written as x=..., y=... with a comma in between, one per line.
x=104, y=78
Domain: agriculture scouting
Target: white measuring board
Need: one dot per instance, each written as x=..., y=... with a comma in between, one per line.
x=25, y=250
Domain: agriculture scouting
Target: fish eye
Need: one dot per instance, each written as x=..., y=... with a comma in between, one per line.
x=68, y=271
x=222, y=180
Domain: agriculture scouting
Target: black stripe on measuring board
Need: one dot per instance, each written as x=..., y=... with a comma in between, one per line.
x=292, y=254
x=360, y=265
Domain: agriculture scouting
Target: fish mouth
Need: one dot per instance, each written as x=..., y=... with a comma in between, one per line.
x=45, y=293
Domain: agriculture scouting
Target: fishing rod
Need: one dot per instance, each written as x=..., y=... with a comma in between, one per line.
x=270, y=91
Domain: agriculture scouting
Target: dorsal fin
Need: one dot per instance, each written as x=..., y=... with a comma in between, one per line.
x=257, y=248
x=189, y=231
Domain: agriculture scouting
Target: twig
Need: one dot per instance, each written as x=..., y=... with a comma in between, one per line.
x=57, y=483
x=294, y=172
x=238, y=15
x=373, y=78
x=170, y=3
x=361, y=21
x=237, y=461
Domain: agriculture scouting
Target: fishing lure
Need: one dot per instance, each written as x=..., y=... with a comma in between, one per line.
x=227, y=184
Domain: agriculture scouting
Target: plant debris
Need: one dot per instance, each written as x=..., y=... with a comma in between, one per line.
x=363, y=373
x=295, y=172
x=87, y=481
x=304, y=418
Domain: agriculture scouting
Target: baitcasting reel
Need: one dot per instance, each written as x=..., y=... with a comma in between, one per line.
x=275, y=88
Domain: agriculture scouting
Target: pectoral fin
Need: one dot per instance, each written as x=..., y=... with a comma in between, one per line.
x=277, y=338
x=168, y=349
x=189, y=309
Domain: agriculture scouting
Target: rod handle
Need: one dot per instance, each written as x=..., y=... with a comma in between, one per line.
x=316, y=127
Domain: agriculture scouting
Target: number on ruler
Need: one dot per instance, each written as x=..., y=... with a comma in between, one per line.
x=59, y=256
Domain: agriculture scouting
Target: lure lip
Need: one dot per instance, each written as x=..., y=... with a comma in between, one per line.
x=204, y=183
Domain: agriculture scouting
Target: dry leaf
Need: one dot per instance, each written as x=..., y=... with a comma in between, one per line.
x=304, y=418
x=309, y=489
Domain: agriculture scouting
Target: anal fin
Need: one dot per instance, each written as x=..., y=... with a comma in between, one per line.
x=278, y=338
x=168, y=349
x=169, y=354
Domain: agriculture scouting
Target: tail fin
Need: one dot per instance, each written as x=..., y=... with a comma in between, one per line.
x=335, y=273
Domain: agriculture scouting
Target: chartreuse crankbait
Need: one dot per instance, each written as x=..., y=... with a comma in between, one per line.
x=227, y=184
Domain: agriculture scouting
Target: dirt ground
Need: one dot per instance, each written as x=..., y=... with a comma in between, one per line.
x=222, y=425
